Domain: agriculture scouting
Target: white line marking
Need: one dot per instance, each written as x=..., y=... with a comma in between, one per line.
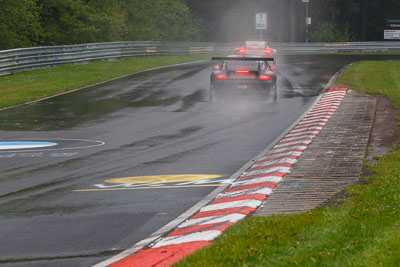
x=316, y=118
x=336, y=93
x=317, y=114
x=331, y=100
x=198, y=236
x=280, y=154
x=300, y=135
x=278, y=161
x=321, y=109
x=289, y=149
x=327, y=105
x=252, y=203
x=293, y=143
x=305, y=125
x=305, y=130
x=268, y=170
x=273, y=179
x=213, y=219
x=263, y=191
x=313, y=120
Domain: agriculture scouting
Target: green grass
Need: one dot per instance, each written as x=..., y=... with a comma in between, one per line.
x=363, y=229
x=33, y=85
x=376, y=77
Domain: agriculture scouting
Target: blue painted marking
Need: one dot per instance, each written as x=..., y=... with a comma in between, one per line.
x=24, y=144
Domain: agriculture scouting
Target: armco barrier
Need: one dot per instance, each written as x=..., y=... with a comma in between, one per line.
x=18, y=60
x=340, y=47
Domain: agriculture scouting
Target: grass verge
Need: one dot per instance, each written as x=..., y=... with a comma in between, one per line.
x=364, y=230
x=33, y=85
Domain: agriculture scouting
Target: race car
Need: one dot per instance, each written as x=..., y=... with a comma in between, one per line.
x=242, y=75
x=257, y=48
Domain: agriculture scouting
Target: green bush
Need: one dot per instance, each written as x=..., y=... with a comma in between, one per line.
x=330, y=32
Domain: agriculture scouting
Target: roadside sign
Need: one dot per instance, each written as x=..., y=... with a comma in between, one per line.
x=261, y=21
x=392, y=35
x=392, y=24
x=308, y=20
x=305, y=1
x=392, y=29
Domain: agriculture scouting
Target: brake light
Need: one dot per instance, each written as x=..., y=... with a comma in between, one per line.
x=264, y=77
x=242, y=51
x=242, y=71
x=221, y=76
x=267, y=51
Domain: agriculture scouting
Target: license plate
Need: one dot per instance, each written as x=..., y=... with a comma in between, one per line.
x=242, y=76
x=242, y=86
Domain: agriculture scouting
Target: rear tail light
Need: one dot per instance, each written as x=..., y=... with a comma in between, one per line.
x=272, y=68
x=217, y=67
x=264, y=77
x=267, y=51
x=242, y=71
x=221, y=76
x=242, y=51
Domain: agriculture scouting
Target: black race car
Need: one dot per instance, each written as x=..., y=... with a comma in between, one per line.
x=241, y=75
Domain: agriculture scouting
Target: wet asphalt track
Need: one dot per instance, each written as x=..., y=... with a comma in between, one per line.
x=154, y=123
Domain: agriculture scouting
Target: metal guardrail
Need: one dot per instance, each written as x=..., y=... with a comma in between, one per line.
x=341, y=47
x=18, y=60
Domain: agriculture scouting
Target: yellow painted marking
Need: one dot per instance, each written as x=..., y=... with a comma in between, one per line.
x=152, y=187
x=155, y=179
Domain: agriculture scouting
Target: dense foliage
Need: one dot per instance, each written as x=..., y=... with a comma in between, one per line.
x=59, y=22
x=19, y=23
x=361, y=20
x=329, y=32
x=364, y=20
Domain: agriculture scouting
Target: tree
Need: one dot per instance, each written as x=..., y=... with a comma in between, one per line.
x=77, y=21
x=162, y=20
x=19, y=23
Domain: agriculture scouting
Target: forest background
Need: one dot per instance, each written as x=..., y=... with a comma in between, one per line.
x=27, y=23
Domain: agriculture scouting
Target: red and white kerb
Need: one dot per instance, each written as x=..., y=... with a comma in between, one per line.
x=244, y=196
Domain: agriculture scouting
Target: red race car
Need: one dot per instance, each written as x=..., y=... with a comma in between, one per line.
x=256, y=48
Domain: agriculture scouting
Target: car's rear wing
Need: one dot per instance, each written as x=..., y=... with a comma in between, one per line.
x=244, y=58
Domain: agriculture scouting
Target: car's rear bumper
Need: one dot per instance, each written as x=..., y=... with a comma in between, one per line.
x=242, y=84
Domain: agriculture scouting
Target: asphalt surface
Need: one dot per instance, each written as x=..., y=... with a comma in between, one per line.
x=54, y=210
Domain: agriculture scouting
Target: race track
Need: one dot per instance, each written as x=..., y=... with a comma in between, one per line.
x=88, y=174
